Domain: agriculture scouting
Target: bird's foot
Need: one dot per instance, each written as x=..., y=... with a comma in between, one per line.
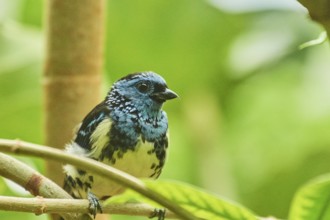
x=160, y=213
x=94, y=204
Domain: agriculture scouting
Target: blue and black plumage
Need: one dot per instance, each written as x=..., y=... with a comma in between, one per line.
x=128, y=131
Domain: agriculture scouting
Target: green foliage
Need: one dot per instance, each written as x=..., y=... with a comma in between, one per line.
x=202, y=204
x=20, y=92
x=253, y=119
x=312, y=201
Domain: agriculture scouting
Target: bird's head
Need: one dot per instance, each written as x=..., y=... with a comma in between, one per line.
x=145, y=90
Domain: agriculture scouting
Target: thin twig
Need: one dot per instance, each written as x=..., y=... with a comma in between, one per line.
x=40, y=205
x=37, y=185
x=31, y=180
x=21, y=147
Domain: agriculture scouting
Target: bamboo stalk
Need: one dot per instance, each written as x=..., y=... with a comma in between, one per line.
x=73, y=66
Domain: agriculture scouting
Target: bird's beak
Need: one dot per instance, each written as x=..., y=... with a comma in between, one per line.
x=168, y=94
x=165, y=95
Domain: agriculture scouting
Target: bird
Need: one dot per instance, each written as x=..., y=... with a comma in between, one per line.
x=128, y=130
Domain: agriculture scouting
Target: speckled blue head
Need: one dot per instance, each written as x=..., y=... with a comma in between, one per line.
x=144, y=92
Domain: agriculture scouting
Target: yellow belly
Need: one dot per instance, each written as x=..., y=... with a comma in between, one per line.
x=140, y=163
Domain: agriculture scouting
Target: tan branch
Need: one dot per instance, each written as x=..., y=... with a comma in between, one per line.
x=28, y=178
x=62, y=202
x=41, y=205
x=20, y=147
x=31, y=180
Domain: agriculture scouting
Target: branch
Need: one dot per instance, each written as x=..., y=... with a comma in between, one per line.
x=41, y=205
x=319, y=11
x=37, y=184
x=25, y=148
x=31, y=180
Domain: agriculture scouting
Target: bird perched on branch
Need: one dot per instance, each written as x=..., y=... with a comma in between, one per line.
x=128, y=130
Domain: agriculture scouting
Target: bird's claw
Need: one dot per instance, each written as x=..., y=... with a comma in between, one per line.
x=160, y=213
x=94, y=204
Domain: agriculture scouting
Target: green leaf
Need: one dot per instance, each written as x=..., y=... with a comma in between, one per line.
x=200, y=203
x=312, y=201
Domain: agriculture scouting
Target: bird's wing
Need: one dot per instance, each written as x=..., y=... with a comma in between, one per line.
x=91, y=128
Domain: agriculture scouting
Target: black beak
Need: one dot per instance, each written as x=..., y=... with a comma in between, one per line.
x=163, y=96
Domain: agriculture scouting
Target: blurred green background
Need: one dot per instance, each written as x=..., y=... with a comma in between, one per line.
x=253, y=119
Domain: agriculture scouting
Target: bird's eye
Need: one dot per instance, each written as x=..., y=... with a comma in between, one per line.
x=143, y=87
